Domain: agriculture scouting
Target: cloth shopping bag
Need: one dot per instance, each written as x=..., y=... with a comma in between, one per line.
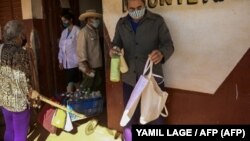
x=153, y=101
x=135, y=97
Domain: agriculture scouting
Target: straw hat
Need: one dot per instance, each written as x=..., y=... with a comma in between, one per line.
x=89, y=13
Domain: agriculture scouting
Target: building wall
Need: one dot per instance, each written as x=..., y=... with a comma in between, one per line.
x=93, y=4
x=203, y=36
x=204, y=77
x=9, y=9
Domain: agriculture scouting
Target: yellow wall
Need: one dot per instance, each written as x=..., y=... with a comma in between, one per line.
x=209, y=40
x=32, y=9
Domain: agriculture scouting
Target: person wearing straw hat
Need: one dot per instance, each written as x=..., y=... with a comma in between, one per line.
x=88, y=47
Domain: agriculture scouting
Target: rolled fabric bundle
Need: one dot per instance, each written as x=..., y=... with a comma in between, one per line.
x=123, y=64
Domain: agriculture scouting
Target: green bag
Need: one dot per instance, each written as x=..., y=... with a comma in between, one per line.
x=115, y=68
x=59, y=119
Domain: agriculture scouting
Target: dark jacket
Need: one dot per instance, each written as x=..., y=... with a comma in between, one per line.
x=152, y=33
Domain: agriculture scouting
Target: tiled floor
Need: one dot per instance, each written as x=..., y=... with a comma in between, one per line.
x=100, y=133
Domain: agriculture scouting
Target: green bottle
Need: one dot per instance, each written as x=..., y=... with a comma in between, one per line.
x=115, y=68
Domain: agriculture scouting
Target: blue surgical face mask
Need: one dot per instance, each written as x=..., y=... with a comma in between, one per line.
x=95, y=23
x=137, y=14
x=65, y=25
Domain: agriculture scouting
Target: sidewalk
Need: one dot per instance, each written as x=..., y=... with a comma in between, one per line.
x=84, y=131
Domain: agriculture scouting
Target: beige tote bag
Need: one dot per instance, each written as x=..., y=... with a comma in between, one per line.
x=153, y=99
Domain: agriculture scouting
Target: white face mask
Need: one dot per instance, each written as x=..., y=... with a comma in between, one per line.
x=137, y=14
x=95, y=23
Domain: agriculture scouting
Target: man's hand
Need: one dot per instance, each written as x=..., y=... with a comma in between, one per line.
x=156, y=56
x=88, y=69
x=114, y=51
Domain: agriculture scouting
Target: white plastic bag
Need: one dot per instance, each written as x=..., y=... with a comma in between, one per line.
x=133, y=101
x=68, y=125
x=135, y=97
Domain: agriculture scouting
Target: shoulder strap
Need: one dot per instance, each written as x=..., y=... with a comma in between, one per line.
x=148, y=67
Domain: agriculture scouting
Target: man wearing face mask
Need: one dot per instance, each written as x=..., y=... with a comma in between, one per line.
x=67, y=56
x=141, y=34
x=89, y=49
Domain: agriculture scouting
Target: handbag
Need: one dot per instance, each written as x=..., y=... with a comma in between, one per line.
x=153, y=99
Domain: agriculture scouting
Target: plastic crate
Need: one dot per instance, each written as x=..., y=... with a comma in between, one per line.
x=88, y=107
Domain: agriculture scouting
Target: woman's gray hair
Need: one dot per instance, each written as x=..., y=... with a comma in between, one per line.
x=12, y=29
